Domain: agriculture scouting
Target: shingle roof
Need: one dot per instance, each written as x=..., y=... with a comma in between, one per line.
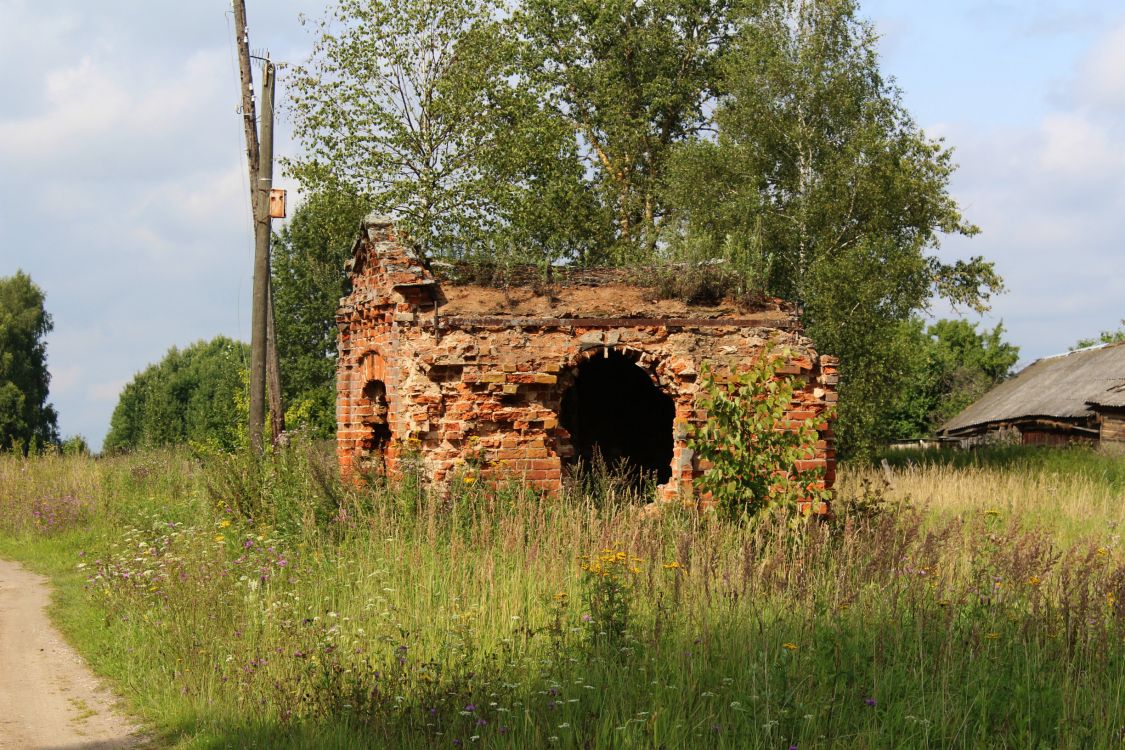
x=1062, y=386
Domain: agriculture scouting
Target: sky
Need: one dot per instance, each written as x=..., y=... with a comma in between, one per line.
x=123, y=188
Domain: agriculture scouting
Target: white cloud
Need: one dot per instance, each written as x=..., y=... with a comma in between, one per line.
x=1101, y=76
x=1077, y=146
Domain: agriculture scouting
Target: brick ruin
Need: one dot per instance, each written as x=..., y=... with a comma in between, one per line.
x=531, y=381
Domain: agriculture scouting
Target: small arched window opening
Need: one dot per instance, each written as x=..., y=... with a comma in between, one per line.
x=376, y=423
x=615, y=414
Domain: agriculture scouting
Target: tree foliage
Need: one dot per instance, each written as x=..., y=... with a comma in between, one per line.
x=830, y=193
x=309, y=254
x=27, y=421
x=631, y=80
x=1105, y=337
x=191, y=395
x=753, y=462
x=760, y=133
x=951, y=365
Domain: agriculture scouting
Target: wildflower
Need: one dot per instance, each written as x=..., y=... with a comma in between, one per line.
x=992, y=512
x=220, y=538
x=789, y=646
x=224, y=523
x=869, y=701
x=674, y=565
x=992, y=636
x=1034, y=581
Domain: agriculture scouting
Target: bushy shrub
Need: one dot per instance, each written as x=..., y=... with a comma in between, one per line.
x=752, y=450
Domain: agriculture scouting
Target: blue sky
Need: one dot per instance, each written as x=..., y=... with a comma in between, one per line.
x=123, y=192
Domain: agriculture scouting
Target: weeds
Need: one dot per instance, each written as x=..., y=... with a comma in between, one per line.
x=257, y=605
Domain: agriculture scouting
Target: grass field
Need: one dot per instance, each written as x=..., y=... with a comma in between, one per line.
x=242, y=605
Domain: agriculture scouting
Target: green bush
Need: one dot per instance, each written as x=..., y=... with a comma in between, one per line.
x=753, y=454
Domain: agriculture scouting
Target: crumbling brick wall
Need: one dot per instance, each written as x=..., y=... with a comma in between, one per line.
x=483, y=386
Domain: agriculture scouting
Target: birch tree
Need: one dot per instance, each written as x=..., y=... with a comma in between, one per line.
x=394, y=103
x=838, y=198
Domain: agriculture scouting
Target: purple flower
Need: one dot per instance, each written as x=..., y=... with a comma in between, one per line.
x=471, y=708
x=869, y=701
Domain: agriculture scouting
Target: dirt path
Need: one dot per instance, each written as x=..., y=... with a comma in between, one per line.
x=49, y=699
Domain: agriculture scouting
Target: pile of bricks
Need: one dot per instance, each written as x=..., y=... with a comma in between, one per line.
x=478, y=397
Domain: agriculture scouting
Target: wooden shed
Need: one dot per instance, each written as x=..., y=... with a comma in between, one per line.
x=1077, y=397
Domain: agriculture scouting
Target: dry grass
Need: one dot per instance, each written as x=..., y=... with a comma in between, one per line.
x=1071, y=506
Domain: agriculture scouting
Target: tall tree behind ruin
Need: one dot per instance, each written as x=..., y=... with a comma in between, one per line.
x=309, y=254
x=416, y=105
x=632, y=80
x=836, y=196
x=27, y=421
x=761, y=132
x=393, y=105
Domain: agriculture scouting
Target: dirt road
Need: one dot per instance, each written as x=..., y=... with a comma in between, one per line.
x=49, y=699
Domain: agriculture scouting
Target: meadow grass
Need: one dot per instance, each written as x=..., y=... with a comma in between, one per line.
x=242, y=604
x=1072, y=492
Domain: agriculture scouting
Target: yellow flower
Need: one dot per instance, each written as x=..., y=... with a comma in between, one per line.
x=672, y=565
x=224, y=523
x=992, y=636
x=1102, y=551
x=1110, y=598
x=1034, y=581
x=468, y=479
x=992, y=512
x=789, y=646
x=220, y=538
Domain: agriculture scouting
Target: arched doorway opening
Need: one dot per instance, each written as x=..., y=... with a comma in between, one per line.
x=614, y=413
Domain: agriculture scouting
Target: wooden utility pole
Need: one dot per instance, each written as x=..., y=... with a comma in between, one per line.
x=265, y=184
x=259, y=156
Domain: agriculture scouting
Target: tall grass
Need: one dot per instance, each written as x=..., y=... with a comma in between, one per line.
x=244, y=604
x=1074, y=492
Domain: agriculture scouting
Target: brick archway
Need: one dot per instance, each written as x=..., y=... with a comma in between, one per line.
x=618, y=416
